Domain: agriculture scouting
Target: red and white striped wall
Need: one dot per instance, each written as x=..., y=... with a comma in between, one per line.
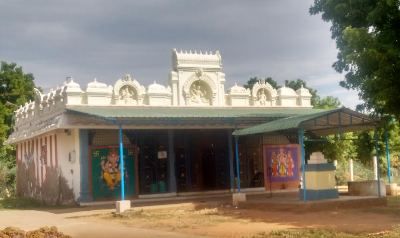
x=43, y=151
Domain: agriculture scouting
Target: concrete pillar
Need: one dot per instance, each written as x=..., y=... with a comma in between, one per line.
x=230, y=155
x=375, y=163
x=351, y=170
x=171, y=162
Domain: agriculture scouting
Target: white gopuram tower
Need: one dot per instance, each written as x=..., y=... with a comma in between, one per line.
x=197, y=79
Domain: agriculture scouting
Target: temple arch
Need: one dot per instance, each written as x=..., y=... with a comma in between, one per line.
x=263, y=94
x=128, y=91
x=199, y=89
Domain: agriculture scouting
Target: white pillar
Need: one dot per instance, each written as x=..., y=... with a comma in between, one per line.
x=351, y=170
x=375, y=163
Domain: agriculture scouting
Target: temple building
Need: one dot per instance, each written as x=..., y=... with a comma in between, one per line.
x=177, y=139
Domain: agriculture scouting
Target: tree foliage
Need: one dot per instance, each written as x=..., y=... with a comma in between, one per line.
x=16, y=88
x=298, y=83
x=254, y=80
x=367, y=34
x=328, y=102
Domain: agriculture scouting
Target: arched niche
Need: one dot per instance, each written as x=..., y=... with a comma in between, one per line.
x=128, y=91
x=199, y=94
x=200, y=89
x=263, y=94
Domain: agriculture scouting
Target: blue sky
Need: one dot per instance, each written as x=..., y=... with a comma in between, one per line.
x=107, y=39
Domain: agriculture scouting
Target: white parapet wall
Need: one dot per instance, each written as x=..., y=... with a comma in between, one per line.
x=196, y=80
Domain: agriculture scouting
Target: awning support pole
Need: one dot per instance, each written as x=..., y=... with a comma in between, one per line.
x=231, y=158
x=303, y=161
x=237, y=162
x=121, y=163
x=388, y=156
x=377, y=161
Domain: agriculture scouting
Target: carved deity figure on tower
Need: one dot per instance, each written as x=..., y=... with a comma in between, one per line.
x=262, y=98
x=198, y=94
x=127, y=95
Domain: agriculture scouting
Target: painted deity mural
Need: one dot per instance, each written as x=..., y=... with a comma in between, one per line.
x=281, y=162
x=106, y=174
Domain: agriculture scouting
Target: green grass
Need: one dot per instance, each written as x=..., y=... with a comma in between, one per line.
x=19, y=203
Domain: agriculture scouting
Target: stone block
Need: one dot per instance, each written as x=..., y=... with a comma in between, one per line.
x=366, y=188
x=317, y=158
x=391, y=189
x=123, y=205
x=238, y=198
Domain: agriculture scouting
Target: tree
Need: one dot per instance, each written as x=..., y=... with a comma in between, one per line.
x=367, y=35
x=328, y=102
x=254, y=80
x=16, y=88
x=298, y=83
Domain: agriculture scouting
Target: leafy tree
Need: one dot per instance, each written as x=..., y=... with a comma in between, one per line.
x=254, y=80
x=367, y=35
x=16, y=88
x=328, y=102
x=298, y=83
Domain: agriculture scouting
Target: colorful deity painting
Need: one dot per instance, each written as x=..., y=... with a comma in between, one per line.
x=110, y=169
x=281, y=162
x=106, y=173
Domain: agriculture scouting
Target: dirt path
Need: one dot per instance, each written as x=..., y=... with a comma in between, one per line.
x=31, y=219
x=220, y=220
x=204, y=219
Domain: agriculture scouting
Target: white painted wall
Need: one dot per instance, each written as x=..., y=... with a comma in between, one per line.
x=68, y=158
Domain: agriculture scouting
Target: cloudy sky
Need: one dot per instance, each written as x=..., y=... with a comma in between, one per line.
x=107, y=39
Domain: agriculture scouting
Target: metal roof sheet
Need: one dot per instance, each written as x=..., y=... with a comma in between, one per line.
x=303, y=121
x=121, y=112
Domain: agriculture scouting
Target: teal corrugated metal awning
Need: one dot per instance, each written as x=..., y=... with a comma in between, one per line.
x=121, y=112
x=322, y=122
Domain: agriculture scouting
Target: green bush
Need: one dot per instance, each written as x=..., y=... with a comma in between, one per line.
x=7, y=180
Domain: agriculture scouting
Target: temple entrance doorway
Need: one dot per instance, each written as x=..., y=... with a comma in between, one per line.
x=202, y=160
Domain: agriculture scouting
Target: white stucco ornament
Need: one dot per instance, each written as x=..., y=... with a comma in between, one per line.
x=72, y=92
x=71, y=86
x=304, y=97
x=156, y=88
x=287, y=97
x=196, y=79
x=263, y=94
x=286, y=92
x=303, y=92
x=200, y=93
x=98, y=93
x=128, y=91
x=158, y=95
x=238, y=90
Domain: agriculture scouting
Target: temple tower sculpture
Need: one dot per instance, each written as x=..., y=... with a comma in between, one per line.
x=197, y=79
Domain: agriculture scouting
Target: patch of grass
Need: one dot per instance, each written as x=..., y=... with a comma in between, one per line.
x=19, y=203
x=321, y=233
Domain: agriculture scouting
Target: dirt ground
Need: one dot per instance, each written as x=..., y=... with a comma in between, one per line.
x=220, y=219
x=212, y=219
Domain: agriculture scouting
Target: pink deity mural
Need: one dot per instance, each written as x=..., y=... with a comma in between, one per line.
x=281, y=162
